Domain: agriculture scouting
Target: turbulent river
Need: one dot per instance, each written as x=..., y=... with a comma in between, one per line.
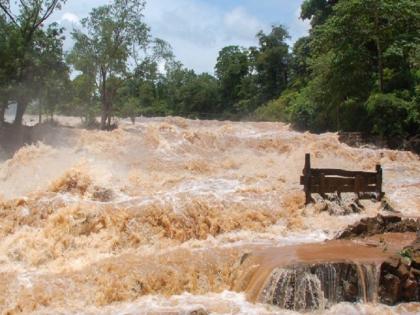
x=158, y=217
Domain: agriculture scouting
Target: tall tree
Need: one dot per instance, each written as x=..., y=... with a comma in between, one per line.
x=317, y=11
x=357, y=66
x=300, y=69
x=231, y=68
x=113, y=36
x=271, y=62
x=365, y=39
x=27, y=19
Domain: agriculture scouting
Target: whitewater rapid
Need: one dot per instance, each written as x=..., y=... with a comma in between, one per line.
x=155, y=217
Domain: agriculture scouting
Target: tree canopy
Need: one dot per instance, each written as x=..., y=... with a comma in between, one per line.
x=356, y=70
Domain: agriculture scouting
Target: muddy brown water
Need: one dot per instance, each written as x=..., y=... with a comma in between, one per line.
x=157, y=216
x=370, y=251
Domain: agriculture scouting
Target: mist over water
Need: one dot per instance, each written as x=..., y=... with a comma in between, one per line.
x=157, y=216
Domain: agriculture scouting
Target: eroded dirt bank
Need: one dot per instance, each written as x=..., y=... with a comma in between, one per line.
x=164, y=214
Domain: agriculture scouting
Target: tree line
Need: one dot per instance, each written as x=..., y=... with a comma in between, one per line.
x=357, y=70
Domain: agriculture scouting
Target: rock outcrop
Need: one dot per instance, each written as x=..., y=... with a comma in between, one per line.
x=379, y=225
x=400, y=276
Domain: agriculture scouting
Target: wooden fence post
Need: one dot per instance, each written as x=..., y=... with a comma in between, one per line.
x=307, y=178
x=378, y=182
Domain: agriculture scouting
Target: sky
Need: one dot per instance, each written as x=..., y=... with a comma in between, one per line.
x=198, y=29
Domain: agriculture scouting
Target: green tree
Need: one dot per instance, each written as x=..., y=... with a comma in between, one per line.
x=52, y=74
x=272, y=62
x=300, y=63
x=113, y=36
x=317, y=10
x=357, y=49
x=84, y=100
x=23, y=23
x=231, y=68
x=392, y=116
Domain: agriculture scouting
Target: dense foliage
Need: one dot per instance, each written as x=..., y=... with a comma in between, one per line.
x=357, y=70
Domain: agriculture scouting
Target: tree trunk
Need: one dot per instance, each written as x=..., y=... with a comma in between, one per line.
x=338, y=117
x=3, y=107
x=103, y=117
x=109, y=121
x=104, y=114
x=40, y=113
x=379, y=52
x=20, y=110
x=380, y=67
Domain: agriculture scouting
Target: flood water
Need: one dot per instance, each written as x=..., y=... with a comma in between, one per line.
x=156, y=217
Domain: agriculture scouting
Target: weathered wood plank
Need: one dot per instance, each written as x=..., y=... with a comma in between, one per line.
x=343, y=173
x=328, y=180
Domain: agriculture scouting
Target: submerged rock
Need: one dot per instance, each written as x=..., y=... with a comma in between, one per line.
x=198, y=311
x=378, y=225
x=102, y=194
x=399, y=283
x=339, y=204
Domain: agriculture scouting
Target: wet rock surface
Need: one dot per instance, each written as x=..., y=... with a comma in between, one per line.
x=380, y=224
x=198, y=311
x=339, y=204
x=400, y=277
x=391, y=278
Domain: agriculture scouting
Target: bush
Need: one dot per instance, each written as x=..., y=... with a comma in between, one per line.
x=392, y=116
x=276, y=110
x=303, y=114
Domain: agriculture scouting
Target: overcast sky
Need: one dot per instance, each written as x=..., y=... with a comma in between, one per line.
x=198, y=29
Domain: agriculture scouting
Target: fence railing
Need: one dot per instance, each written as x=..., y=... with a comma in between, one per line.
x=325, y=180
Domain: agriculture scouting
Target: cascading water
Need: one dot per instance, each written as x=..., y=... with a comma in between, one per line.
x=318, y=286
x=161, y=215
x=368, y=275
x=295, y=289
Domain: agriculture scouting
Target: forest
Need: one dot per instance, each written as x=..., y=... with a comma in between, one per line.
x=358, y=69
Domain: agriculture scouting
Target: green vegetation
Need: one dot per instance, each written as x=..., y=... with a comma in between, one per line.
x=357, y=70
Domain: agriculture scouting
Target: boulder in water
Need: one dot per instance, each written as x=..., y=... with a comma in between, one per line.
x=198, y=311
x=378, y=225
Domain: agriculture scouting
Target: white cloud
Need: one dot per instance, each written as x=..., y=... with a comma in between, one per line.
x=69, y=17
x=197, y=31
x=239, y=24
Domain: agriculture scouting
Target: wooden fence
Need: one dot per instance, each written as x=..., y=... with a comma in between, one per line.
x=324, y=180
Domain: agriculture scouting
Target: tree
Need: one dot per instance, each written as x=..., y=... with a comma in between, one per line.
x=231, y=68
x=357, y=67
x=364, y=40
x=391, y=115
x=272, y=62
x=52, y=73
x=6, y=65
x=185, y=93
x=300, y=63
x=113, y=36
x=317, y=10
x=84, y=100
x=25, y=22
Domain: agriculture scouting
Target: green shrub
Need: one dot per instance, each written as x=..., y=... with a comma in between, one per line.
x=392, y=116
x=303, y=113
x=276, y=110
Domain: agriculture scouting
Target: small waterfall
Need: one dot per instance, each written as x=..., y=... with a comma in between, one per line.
x=369, y=282
x=294, y=289
x=315, y=287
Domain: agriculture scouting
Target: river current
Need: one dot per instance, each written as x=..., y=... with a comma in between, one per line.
x=156, y=217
